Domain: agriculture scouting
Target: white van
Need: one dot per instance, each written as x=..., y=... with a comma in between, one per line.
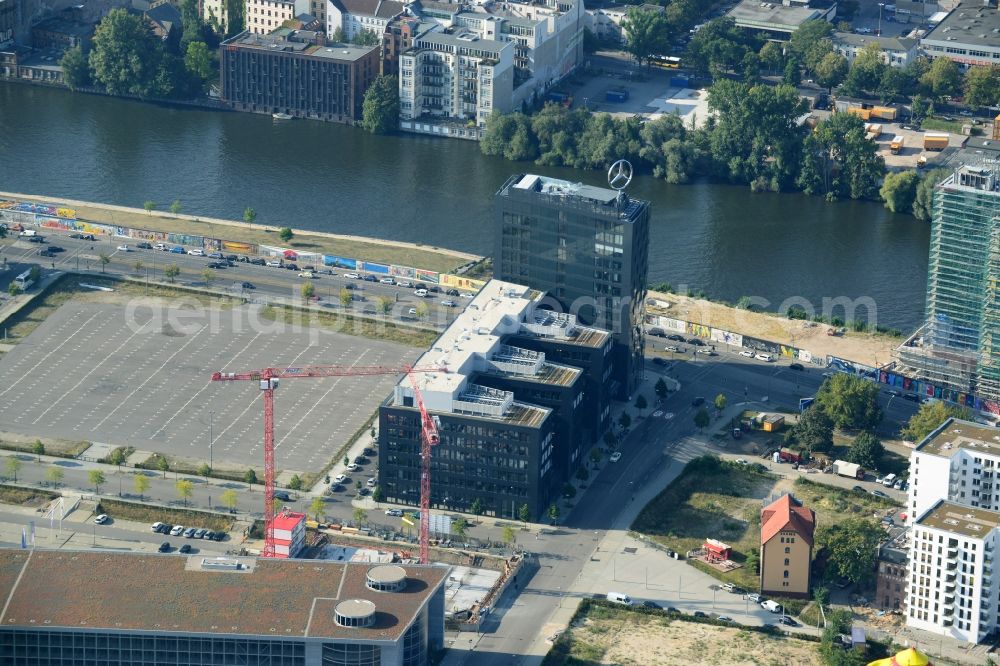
x=422, y=293
x=772, y=606
x=28, y=233
x=728, y=587
x=620, y=598
x=889, y=480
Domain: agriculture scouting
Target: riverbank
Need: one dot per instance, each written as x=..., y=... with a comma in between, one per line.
x=400, y=253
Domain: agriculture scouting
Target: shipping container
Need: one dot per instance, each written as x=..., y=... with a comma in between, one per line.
x=619, y=95
x=935, y=141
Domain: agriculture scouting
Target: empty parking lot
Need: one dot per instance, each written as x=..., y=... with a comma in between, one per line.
x=140, y=376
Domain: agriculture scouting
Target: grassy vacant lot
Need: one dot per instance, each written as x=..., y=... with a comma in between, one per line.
x=25, y=496
x=834, y=505
x=602, y=635
x=373, y=329
x=430, y=258
x=938, y=125
x=891, y=461
x=149, y=514
x=710, y=499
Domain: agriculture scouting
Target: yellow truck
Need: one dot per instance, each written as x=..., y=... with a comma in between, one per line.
x=921, y=161
x=883, y=112
x=935, y=141
x=896, y=145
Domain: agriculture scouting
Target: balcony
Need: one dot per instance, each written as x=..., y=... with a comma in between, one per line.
x=949, y=598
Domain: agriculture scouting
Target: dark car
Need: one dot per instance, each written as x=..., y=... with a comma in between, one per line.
x=696, y=342
x=336, y=487
x=282, y=495
x=362, y=491
x=292, y=267
x=258, y=261
x=209, y=535
x=671, y=609
x=370, y=278
x=660, y=361
x=360, y=460
x=231, y=257
x=44, y=252
x=879, y=493
x=434, y=290
x=247, y=285
x=144, y=245
x=218, y=264
x=787, y=621
x=55, y=248
x=796, y=366
x=658, y=332
x=700, y=614
x=698, y=402
x=675, y=337
x=859, y=489
x=218, y=536
x=185, y=549
x=912, y=397
x=452, y=292
x=164, y=547
x=215, y=255
x=652, y=604
x=88, y=237
x=36, y=239
x=369, y=451
x=165, y=528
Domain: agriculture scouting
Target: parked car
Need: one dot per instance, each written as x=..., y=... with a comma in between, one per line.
x=219, y=536
x=616, y=456
x=273, y=263
x=652, y=604
x=340, y=478
x=185, y=549
x=362, y=491
x=282, y=495
x=452, y=292
x=244, y=285
x=155, y=527
x=796, y=366
x=360, y=460
x=403, y=283
x=724, y=618
x=164, y=547
x=696, y=342
x=707, y=352
x=291, y=267
x=144, y=246
x=45, y=252
x=698, y=401
x=88, y=237
x=760, y=356
x=309, y=275
x=218, y=264
x=394, y=512
x=55, y=248
x=659, y=360
x=353, y=467
x=209, y=535
x=756, y=598
x=747, y=353
x=699, y=614
x=200, y=533
x=898, y=485
x=671, y=348
x=370, y=278
x=177, y=249
x=214, y=255
x=352, y=276
x=912, y=397
x=258, y=261
x=196, y=252
x=177, y=530
x=448, y=303
x=787, y=621
x=879, y=493
x=675, y=337
x=101, y=519
x=387, y=280
x=124, y=248
x=189, y=532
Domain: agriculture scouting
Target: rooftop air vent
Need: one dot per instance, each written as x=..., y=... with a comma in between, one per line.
x=386, y=578
x=355, y=613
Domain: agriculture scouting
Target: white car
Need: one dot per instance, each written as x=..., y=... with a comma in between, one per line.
x=387, y=281
x=273, y=263
x=124, y=248
x=403, y=283
x=763, y=357
x=340, y=478
x=101, y=519
x=196, y=253
x=747, y=353
x=177, y=531
x=464, y=295
x=161, y=246
x=705, y=351
x=616, y=456
x=412, y=312
x=307, y=274
x=155, y=527
x=671, y=348
x=352, y=467
x=352, y=276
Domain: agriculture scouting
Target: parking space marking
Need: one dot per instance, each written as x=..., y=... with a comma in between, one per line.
x=146, y=381
x=46, y=357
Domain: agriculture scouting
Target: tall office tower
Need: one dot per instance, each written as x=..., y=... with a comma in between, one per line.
x=958, y=348
x=588, y=248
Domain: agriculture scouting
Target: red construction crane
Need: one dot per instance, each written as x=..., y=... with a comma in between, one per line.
x=269, y=378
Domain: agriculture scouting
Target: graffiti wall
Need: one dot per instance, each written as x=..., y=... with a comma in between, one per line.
x=427, y=276
x=459, y=282
x=340, y=262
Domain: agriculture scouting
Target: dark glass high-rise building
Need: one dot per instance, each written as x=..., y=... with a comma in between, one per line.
x=588, y=248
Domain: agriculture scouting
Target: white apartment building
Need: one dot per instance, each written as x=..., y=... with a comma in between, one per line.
x=356, y=16
x=895, y=51
x=214, y=13
x=954, y=508
x=265, y=16
x=456, y=75
x=952, y=588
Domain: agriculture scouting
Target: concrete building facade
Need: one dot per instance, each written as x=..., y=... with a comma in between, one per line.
x=786, y=542
x=967, y=35
x=511, y=419
x=296, y=72
x=356, y=16
x=778, y=20
x=64, y=608
x=265, y=16
x=587, y=247
x=895, y=51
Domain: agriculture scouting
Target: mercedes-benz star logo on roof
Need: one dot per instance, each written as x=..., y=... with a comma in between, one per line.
x=620, y=175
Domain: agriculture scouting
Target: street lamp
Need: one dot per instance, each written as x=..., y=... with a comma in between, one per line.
x=211, y=439
x=880, y=6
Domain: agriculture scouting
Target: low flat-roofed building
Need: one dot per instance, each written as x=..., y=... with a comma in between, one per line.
x=75, y=608
x=895, y=51
x=296, y=72
x=777, y=20
x=968, y=35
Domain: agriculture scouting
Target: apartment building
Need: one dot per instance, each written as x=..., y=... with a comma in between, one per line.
x=786, y=542
x=968, y=35
x=216, y=14
x=588, y=248
x=510, y=417
x=357, y=16
x=454, y=74
x=952, y=589
x=895, y=51
x=265, y=16
x=958, y=348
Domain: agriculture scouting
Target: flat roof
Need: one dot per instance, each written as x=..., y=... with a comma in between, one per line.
x=603, y=200
x=464, y=39
x=884, y=43
x=756, y=14
x=968, y=23
x=119, y=591
x=956, y=435
x=960, y=519
x=283, y=41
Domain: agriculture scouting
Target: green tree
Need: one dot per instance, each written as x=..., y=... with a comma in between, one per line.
x=383, y=305
x=831, y=70
x=476, y=507
x=295, y=483
x=54, y=475
x=899, y=191
x=39, y=450
x=553, y=513
x=380, y=109
x=208, y=276
x=125, y=56
x=285, y=234
x=366, y=38
x=250, y=477
x=185, y=488
x=857, y=166
x=318, y=509
x=508, y=535
x=422, y=310
x=702, y=418
x=793, y=72
x=249, y=215
x=720, y=402
x=943, y=79
x=13, y=465
x=610, y=439
x=866, y=450
x=149, y=205
x=660, y=388
x=459, y=527
x=198, y=63
x=163, y=465
x=140, y=482
x=229, y=498
x=625, y=420
x=345, y=297
x=814, y=430
x=867, y=70
x=646, y=33
x=929, y=418
x=509, y=136
x=204, y=470
x=923, y=202
x=920, y=108
x=308, y=291
x=337, y=37
x=104, y=259
x=524, y=513
x=582, y=474
x=852, y=546
x=982, y=86
x=595, y=456
x=76, y=70
x=773, y=56
x=360, y=516
x=850, y=402
x=137, y=266
x=13, y=289
x=117, y=457
x=665, y=144
x=97, y=479
x=720, y=47
x=190, y=21
x=810, y=43
x=172, y=271
x=640, y=403
x=377, y=495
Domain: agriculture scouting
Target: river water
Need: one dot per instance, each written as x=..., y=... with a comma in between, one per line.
x=713, y=237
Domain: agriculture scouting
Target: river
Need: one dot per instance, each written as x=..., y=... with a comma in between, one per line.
x=713, y=237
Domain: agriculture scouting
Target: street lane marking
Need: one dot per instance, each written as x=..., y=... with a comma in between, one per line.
x=65, y=342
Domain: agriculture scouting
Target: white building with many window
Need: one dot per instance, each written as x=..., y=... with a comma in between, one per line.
x=895, y=51
x=356, y=16
x=954, y=508
x=969, y=35
x=266, y=16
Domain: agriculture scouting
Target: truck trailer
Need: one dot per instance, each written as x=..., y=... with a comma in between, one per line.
x=850, y=470
x=935, y=141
